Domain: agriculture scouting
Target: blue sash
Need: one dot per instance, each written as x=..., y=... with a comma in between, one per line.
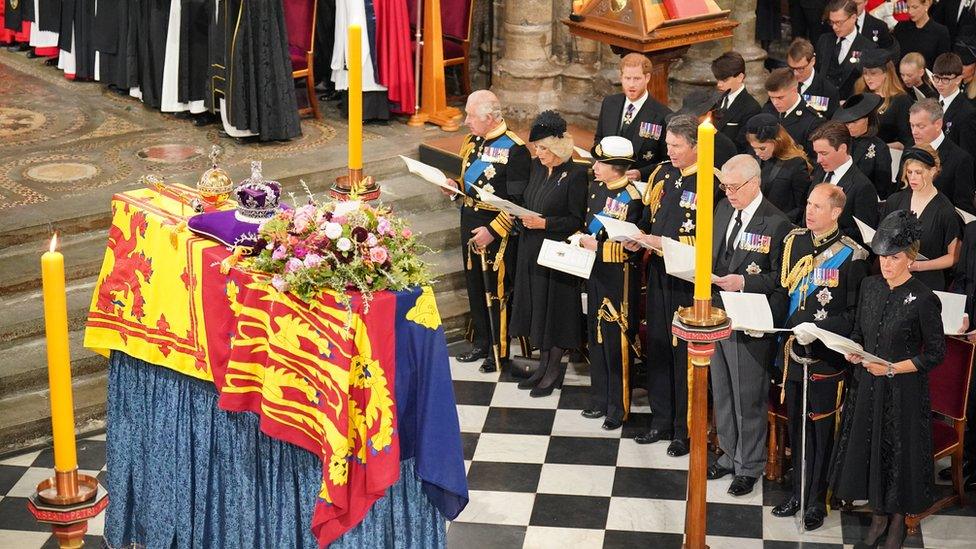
x=833, y=263
x=479, y=166
x=595, y=225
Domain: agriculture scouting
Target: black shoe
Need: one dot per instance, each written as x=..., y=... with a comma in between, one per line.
x=653, y=436
x=551, y=380
x=813, y=518
x=742, y=485
x=716, y=471
x=474, y=355
x=788, y=508
x=678, y=447
x=32, y=55
x=533, y=379
x=611, y=424
x=52, y=62
x=204, y=119
x=592, y=414
x=488, y=366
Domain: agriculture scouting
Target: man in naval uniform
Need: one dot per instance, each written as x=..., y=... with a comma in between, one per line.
x=613, y=283
x=795, y=115
x=748, y=239
x=822, y=271
x=671, y=201
x=496, y=160
x=636, y=115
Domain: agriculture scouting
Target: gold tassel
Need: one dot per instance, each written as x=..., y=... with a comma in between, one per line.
x=175, y=232
x=230, y=261
x=786, y=367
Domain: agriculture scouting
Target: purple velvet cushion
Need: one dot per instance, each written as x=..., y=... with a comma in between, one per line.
x=227, y=228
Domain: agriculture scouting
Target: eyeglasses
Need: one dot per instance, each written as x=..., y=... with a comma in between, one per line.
x=944, y=78
x=799, y=69
x=835, y=24
x=731, y=189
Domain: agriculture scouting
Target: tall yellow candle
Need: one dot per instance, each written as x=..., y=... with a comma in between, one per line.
x=355, y=98
x=704, y=202
x=58, y=359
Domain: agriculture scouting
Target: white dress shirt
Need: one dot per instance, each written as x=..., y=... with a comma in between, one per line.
x=946, y=101
x=637, y=106
x=845, y=46
x=841, y=170
x=937, y=142
x=730, y=98
x=808, y=82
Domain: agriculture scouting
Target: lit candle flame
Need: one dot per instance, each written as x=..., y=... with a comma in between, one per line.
x=708, y=119
x=54, y=243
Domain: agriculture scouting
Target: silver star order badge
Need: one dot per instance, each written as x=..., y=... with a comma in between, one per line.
x=824, y=296
x=677, y=183
x=648, y=155
x=870, y=153
x=821, y=314
x=753, y=269
x=909, y=299
x=688, y=225
x=489, y=172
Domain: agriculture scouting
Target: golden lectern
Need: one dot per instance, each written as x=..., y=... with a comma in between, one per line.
x=661, y=30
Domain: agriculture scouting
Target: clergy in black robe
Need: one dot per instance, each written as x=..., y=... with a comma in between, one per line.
x=547, y=306
x=941, y=228
x=115, y=41
x=195, y=17
x=15, y=12
x=251, y=72
x=150, y=19
x=76, y=34
x=884, y=451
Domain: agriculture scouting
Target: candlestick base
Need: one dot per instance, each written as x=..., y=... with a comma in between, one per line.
x=417, y=120
x=355, y=186
x=67, y=502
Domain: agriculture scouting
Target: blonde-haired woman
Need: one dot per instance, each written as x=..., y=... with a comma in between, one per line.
x=785, y=176
x=940, y=225
x=878, y=76
x=546, y=306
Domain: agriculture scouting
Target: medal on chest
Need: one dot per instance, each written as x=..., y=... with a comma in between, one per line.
x=494, y=154
x=824, y=296
x=615, y=209
x=828, y=278
x=752, y=242
x=687, y=200
x=648, y=130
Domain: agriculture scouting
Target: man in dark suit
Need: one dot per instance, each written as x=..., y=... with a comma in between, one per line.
x=796, y=117
x=875, y=29
x=956, y=15
x=832, y=145
x=636, y=115
x=955, y=180
x=806, y=18
x=839, y=52
x=736, y=105
x=958, y=113
x=821, y=95
x=747, y=249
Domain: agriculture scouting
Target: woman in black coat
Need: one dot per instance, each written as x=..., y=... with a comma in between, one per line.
x=878, y=76
x=547, y=303
x=869, y=152
x=884, y=451
x=940, y=224
x=785, y=178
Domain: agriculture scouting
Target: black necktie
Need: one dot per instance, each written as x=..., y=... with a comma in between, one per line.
x=730, y=243
x=725, y=102
x=827, y=177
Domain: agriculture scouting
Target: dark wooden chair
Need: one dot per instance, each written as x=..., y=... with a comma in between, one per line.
x=300, y=18
x=949, y=392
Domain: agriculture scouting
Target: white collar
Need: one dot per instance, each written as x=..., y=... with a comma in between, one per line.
x=795, y=106
x=852, y=35
x=750, y=209
x=860, y=20
x=806, y=83
x=733, y=94
x=637, y=104
x=937, y=142
x=842, y=170
x=946, y=101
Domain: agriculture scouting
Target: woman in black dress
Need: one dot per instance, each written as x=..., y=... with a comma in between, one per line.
x=921, y=33
x=785, y=177
x=547, y=304
x=884, y=452
x=878, y=76
x=941, y=226
x=869, y=152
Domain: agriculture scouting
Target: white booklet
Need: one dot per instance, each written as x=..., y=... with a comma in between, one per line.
x=679, y=259
x=504, y=205
x=967, y=217
x=428, y=173
x=750, y=312
x=622, y=231
x=953, y=312
x=583, y=153
x=844, y=345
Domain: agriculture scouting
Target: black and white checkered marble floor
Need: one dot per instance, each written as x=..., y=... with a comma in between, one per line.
x=541, y=475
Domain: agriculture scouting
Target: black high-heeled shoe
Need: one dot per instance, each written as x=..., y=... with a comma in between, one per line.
x=879, y=524
x=553, y=379
x=536, y=377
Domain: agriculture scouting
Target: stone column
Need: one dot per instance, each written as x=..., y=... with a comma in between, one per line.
x=580, y=104
x=526, y=76
x=695, y=71
x=744, y=42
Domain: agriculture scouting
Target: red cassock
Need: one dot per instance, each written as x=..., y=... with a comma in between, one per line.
x=8, y=36
x=393, y=54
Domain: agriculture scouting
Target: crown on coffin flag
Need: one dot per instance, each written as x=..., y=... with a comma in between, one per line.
x=257, y=198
